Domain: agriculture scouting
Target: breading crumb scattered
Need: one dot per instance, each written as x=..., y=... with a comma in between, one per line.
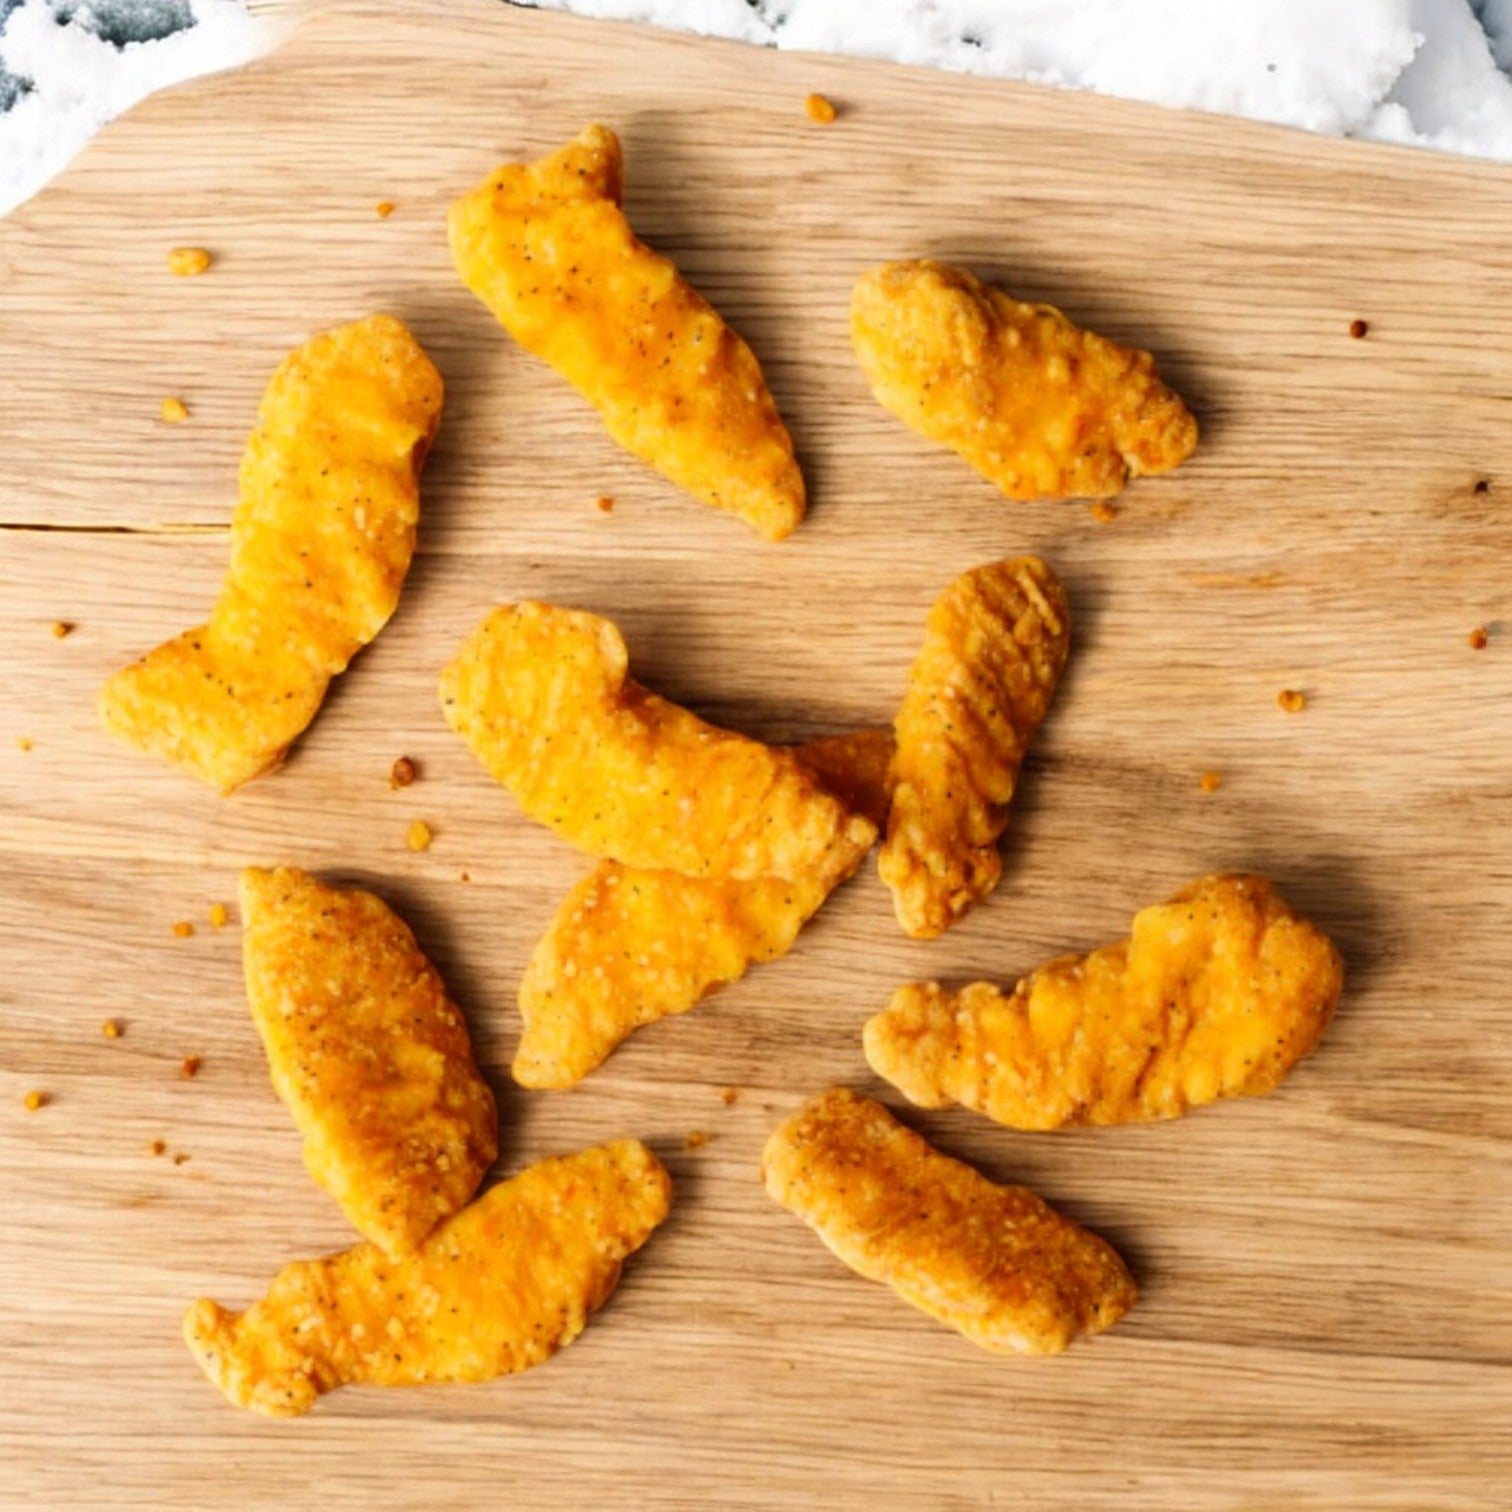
x=23, y=742
x=1483, y=485
x=729, y=1095
x=1211, y=782
x=62, y=628
x=183, y=929
x=1104, y=513
x=157, y=1147
x=604, y=504
x=189, y=1067
x=1291, y=700
x=1359, y=328
x=180, y=1158
x=34, y=1100
x=418, y=836
x=466, y=877
x=1479, y=638
x=403, y=772
x=175, y=411
x=220, y=916
x=188, y=262
x=383, y=209
x=112, y=1028
x=819, y=109
x=696, y=1140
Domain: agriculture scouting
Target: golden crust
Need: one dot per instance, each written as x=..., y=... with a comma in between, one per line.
x=547, y=248
x=499, y=1288
x=1039, y=406
x=994, y=648
x=369, y=1054
x=543, y=697
x=628, y=946
x=995, y=1263
x=1219, y=993
x=320, y=545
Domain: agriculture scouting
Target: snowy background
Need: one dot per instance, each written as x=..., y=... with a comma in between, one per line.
x=1431, y=73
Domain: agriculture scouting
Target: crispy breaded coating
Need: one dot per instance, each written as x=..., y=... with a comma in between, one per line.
x=1219, y=993
x=371, y=1057
x=320, y=545
x=628, y=946
x=543, y=697
x=547, y=248
x=1039, y=406
x=499, y=1288
x=995, y=1263
x=994, y=648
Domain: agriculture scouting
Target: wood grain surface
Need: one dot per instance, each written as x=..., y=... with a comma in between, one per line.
x=1326, y=1318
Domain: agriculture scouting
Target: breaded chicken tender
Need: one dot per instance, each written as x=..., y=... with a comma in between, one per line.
x=994, y=648
x=371, y=1057
x=499, y=1288
x=320, y=545
x=547, y=248
x=1037, y=405
x=995, y=1263
x=543, y=697
x=629, y=947
x=1219, y=993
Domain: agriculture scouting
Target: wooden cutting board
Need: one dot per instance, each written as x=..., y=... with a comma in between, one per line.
x=1327, y=1274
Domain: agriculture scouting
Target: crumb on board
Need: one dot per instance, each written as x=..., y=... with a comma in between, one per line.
x=729, y=1095
x=220, y=916
x=1479, y=638
x=188, y=262
x=34, y=1100
x=112, y=1028
x=1483, y=485
x=604, y=504
x=419, y=835
x=1359, y=329
x=1211, y=782
x=1104, y=513
x=23, y=742
x=189, y=1067
x=175, y=411
x=180, y=1158
x=62, y=628
x=383, y=209
x=466, y=876
x=157, y=1147
x=696, y=1140
x=818, y=108
x=403, y=772
x=183, y=929
x=1292, y=700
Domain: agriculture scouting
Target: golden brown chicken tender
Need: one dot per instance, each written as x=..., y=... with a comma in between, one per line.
x=629, y=946
x=995, y=1263
x=368, y=1053
x=994, y=648
x=547, y=248
x=1039, y=406
x=543, y=697
x=1219, y=993
x=320, y=545
x=499, y=1288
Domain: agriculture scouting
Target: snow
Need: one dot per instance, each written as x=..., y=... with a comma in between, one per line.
x=1429, y=73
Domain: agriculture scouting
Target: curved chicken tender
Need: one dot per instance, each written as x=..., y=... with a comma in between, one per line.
x=369, y=1054
x=628, y=947
x=995, y=1263
x=995, y=646
x=1219, y=993
x=501, y=1287
x=547, y=248
x=543, y=697
x=320, y=545
x=1039, y=406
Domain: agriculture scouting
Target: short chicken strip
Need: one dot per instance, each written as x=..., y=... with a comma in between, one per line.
x=320, y=545
x=547, y=248
x=1219, y=993
x=369, y=1054
x=995, y=1263
x=543, y=697
x=629, y=947
x=1039, y=406
x=501, y=1287
x=994, y=648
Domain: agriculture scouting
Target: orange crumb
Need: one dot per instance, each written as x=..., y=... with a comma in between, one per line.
x=188, y=262
x=157, y=1147
x=183, y=929
x=1291, y=700
x=23, y=743
x=466, y=877
x=62, y=627
x=220, y=915
x=696, y=1140
x=175, y=411
x=1211, y=782
x=418, y=835
x=34, y=1100
x=817, y=108
x=604, y=504
x=383, y=209
x=1479, y=638
x=180, y=1158
x=403, y=772
x=111, y=1028
x=728, y=1095
x=189, y=1067
x=1104, y=513
x=1358, y=328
